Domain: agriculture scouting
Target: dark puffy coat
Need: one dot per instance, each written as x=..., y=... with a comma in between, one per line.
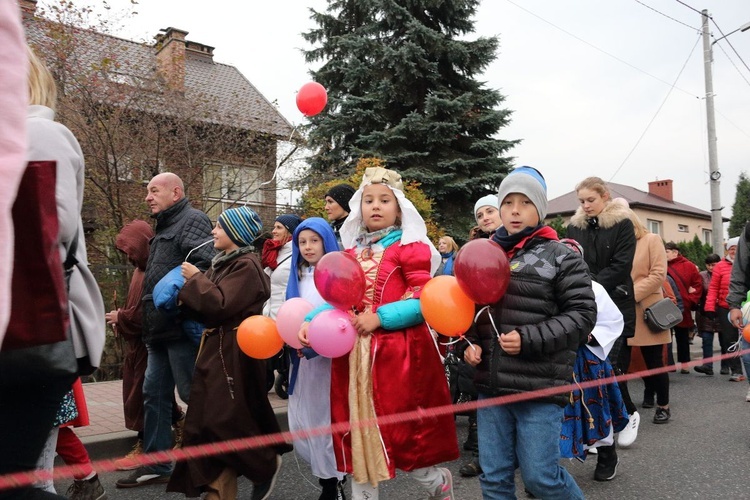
x=551, y=304
x=608, y=249
x=179, y=229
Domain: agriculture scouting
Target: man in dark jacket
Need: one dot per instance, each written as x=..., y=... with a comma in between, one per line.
x=180, y=229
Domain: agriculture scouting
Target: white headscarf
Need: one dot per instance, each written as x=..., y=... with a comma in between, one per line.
x=412, y=224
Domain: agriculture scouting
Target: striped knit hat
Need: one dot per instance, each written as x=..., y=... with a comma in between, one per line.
x=241, y=224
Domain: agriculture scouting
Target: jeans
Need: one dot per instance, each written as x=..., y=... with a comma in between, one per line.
x=708, y=348
x=526, y=435
x=745, y=345
x=169, y=363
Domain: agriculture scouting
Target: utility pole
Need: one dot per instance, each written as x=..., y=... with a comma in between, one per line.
x=717, y=224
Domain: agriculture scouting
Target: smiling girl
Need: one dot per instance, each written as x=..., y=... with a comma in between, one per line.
x=394, y=366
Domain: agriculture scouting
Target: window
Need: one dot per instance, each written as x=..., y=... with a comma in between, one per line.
x=654, y=226
x=683, y=228
x=706, y=236
x=227, y=185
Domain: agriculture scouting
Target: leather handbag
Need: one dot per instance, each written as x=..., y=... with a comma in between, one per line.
x=662, y=315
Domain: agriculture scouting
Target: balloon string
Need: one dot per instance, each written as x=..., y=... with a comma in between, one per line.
x=492, y=320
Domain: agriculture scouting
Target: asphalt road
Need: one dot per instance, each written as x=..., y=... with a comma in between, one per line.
x=702, y=453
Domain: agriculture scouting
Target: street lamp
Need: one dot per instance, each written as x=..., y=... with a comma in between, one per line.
x=717, y=224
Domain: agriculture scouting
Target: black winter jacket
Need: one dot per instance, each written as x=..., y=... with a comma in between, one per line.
x=179, y=229
x=551, y=304
x=609, y=249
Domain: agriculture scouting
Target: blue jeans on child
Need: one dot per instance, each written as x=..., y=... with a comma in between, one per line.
x=525, y=435
x=169, y=363
x=745, y=345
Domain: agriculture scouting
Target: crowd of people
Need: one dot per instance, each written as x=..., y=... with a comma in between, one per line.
x=573, y=313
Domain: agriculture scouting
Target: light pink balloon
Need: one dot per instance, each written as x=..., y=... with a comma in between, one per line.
x=290, y=317
x=331, y=333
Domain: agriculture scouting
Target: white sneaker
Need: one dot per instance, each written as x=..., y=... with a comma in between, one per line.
x=747, y=398
x=630, y=432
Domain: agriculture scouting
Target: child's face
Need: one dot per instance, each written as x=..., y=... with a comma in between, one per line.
x=592, y=202
x=517, y=212
x=221, y=240
x=310, y=246
x=488, y=218
x=379, y=207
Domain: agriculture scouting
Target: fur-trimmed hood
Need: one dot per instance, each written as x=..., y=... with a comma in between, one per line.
x=611, y=215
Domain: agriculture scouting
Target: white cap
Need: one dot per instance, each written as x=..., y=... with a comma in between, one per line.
x=732, y=242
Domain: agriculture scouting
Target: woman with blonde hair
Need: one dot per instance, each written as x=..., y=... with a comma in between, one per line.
x=605, y=232
x=649, y=273
x=448, y=248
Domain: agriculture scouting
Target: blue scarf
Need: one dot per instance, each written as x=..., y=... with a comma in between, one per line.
x=448, y=267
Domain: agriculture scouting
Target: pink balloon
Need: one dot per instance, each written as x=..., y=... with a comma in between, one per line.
x=331, y=333
x=312, y=98
x=340, y=280
x=482, y=270
x=290, y=317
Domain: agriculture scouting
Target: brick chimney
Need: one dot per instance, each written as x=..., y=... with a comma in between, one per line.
x=170, y=57
x=200, y=51
x=28, y=7
x=662, y=189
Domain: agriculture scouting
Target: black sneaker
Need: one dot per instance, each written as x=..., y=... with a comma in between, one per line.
x=86, y=489
x=142, y=477
x=648, y=402
x=724, y=371
x=263, y=490
x=606, y=465
x=662, y=415
x=704, y=369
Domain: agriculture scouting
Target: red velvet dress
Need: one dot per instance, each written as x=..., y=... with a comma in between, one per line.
x=406, y=370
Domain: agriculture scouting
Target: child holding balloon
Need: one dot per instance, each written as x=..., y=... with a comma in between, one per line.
x=547, y=311
x=310, y=374
x=394, y=366
x=228, y=398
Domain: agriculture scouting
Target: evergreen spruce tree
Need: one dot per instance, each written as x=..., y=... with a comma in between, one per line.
x=402, y=85
x=741, y=207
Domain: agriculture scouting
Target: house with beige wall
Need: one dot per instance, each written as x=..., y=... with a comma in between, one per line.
x=672, y=220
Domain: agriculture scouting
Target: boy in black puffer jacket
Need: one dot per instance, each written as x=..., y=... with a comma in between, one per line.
x=546, y=314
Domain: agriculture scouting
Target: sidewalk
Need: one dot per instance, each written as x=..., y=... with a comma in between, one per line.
x=107, y=428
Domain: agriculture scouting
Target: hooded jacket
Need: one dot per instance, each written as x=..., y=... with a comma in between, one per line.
x=133, y=241
x=608, y=242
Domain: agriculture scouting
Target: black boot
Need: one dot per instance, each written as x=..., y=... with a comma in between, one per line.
x=472, y=443
x=606, y=465
x=333, y=489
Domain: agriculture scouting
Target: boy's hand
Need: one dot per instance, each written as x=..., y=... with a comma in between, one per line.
x=735, y=317
x=511, y=342
x=302, y=335
x=188, y=270
x=473, y=355
x=366, y=323
x=111, y=317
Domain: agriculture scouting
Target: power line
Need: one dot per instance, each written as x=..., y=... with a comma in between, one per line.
x=671, y=85
x=668, y=17
x=729, y=43
x=735, y=66
x=689, y=7
x=658, y=110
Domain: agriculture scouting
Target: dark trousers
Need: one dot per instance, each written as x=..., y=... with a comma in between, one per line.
x=659, y=384
x=619, y=357
x=682, y=339
x=728, y=335
x=26, y=415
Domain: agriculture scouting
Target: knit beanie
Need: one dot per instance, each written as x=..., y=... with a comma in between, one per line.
x=529, y=182
x=289, y=221
x=486, y=201
x=341, y=194
x=241, y=224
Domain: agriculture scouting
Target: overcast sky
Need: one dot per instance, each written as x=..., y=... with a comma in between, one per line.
x=583, y=78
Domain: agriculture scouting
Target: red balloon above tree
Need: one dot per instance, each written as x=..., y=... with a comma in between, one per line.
x=312, y=98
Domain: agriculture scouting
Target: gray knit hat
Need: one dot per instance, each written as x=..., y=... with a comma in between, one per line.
x=529, y=182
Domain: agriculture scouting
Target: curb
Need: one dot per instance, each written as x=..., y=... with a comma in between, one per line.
x=113, y=445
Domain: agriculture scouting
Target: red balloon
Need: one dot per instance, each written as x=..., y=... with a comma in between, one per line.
x=340, y=280
x=482, y=270
x=312, y=98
